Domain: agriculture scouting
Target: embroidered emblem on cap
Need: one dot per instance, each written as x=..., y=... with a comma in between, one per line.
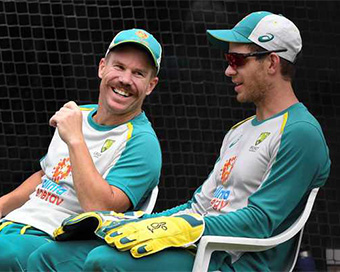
x=266, y=38
x=141, y=34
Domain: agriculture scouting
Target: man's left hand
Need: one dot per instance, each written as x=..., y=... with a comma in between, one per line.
x=148, y=236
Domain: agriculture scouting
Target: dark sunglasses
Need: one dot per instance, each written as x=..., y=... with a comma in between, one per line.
x=239, y=59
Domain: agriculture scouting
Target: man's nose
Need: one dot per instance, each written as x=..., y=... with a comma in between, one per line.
x=126, y=78
x=229, y=71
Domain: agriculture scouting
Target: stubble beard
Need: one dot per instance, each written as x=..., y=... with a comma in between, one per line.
x=256, y=90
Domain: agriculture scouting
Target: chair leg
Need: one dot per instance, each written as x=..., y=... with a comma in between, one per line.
x=297, y=250
x=202, y=260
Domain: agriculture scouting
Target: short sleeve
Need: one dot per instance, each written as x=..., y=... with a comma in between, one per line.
x=138, y=169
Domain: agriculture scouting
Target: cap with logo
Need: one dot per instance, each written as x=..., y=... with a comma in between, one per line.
x=141, y=37
x=268, y=30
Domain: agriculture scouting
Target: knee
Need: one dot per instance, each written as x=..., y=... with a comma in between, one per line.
x=10, y=259
x=33, y=262
x=95, y=262
x=8, y=251
x=7, y=255
x=37, y=261
x=103, y=258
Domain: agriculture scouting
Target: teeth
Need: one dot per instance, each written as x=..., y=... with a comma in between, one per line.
x=121, y=92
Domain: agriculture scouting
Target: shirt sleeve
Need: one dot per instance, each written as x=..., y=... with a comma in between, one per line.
x=302, y=163
x=138, y=169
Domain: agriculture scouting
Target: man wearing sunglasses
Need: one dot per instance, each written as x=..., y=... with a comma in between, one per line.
x=267, y=166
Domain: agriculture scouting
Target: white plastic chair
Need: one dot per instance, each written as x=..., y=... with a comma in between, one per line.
x=209, y=244
x=150, y=202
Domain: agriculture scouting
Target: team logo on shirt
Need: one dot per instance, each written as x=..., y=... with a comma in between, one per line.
x=108, y=143
x=226, y=169
x=259, y=140
x=62, y=170
x=262, y=137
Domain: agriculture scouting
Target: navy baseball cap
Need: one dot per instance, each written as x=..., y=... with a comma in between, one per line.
x=268, y=30
x=141, y=37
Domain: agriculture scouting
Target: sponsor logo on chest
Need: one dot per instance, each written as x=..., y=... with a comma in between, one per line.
x=220, y=198
x=227, y=168
x=62, y=170
x=221, y=195
x=51, y=192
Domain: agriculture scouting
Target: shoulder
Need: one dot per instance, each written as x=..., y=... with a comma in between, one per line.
x=242, y=122
x=302, y=136
x=302, y=125
x=142, y=134
x=141, y=127
x=88, y=107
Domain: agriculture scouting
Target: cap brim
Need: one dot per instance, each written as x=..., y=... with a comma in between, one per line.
x=222, y=37
x=142, y=45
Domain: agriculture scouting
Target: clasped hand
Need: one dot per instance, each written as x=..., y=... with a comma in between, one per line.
x=147, y=236
x=68, y=120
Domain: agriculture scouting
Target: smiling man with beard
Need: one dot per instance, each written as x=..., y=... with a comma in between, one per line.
x=101, y=157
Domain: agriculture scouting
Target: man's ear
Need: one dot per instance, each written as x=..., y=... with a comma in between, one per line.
x=101, y=67
x=152, y=84
x=274, y=64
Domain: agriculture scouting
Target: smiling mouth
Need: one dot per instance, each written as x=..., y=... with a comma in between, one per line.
x=237, y=85
x=121, y=92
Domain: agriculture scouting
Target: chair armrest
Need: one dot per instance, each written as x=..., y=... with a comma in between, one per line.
x=209, y=244
x=150, y=202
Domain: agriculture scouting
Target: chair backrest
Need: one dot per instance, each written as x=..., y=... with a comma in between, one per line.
x=209, y=244
x=150, y=202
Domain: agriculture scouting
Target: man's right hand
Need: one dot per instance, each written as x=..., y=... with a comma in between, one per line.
x=69, y=122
